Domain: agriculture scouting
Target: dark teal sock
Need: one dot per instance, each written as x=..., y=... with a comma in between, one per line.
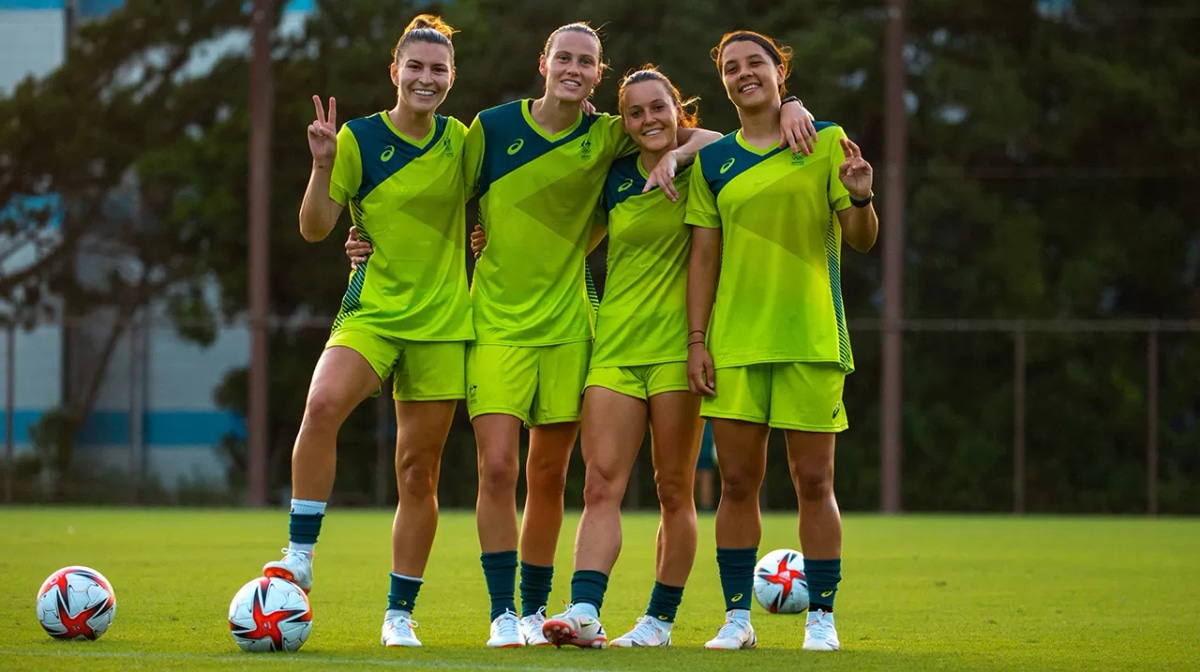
x=535, y=587
x=403, y=595
x=304, y=528
x=736, y=566
x=588, y=587
x=664, y=602
x=823, y=577
x=500, y=573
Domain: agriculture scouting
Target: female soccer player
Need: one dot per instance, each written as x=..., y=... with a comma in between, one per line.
x=538, y=167
x=407, y=310
x=638, y=372
x=764, y=225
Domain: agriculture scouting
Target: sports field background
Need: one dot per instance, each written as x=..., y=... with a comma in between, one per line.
x=919, y=593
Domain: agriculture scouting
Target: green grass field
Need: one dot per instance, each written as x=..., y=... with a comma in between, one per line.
x=919, y=593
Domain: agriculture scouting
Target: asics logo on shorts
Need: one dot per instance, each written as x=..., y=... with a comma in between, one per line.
x=516, y=146
x=387, y=153
x=837, y=409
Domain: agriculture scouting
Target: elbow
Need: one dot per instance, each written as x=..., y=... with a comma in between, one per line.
x=311, y=231
x=863, y=245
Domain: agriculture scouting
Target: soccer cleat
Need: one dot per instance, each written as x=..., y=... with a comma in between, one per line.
x=647, y=632
x=506, y=632
x=531, y=628
x=575, y=628
x=398, y=631
x=819, y=633
x=296, y=566
x=735, y=634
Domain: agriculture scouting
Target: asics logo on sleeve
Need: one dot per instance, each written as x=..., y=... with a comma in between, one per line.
x=387, y=153
x=837, y=409
x=727, y=165
x=626, y=185
x=516, y=146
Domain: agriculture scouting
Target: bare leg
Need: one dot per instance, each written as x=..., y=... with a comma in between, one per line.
x=676, y=428
x=421, y=435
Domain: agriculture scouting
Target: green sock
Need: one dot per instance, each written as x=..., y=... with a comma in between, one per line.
x=500, y=574
x=664, y=602
x=736, y=566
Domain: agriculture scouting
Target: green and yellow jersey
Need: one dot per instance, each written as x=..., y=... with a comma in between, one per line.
x=537, y=196
x=407, y=198
x=779, y=297
x=643, y=318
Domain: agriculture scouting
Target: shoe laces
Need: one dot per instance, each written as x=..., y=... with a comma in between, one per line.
x=401, y=622
x=508, y=625
x=538, y=616
x=645, y=629
x=733, y=629
x=289, y=554
x=819, y=625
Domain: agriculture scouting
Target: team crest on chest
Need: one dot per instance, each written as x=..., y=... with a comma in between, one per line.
x=585, y=149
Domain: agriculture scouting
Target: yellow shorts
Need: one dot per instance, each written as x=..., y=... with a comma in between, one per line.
x=805, y=396
x=423, y=370
x=641, y=382
x=541, y=384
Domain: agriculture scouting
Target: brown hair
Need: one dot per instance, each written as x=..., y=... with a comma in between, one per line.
x=426, y=28
x=782, y=55
x=577, y=27
x=649, y=72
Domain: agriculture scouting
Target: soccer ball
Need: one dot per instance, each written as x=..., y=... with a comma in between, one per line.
x=270, y=614
x=76, y=603
x=779, y=583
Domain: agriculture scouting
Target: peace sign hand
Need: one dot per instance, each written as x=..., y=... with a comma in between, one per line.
x=322, y=134
x=855, y=173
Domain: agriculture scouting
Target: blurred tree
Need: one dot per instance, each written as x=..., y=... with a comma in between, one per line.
x=97, y=217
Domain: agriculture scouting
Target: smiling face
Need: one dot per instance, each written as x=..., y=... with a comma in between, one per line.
x=650, y=114
x=751, y=76
x=423, y=74
x=571, y=66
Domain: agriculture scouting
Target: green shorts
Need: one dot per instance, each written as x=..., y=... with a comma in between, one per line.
x=423, y=370
x=540, y=384
x=805, y=396
x=640, y=382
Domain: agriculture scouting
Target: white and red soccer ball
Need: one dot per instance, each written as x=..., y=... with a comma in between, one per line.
x=76, y=603
x=779, y=583
x=270, y=614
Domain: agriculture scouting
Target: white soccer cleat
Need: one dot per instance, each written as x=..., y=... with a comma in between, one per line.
x=647, y=632
x=506, y=632
x=531, y=628
x=819, y=633
x=398, y=631
x=735, y=634
x=575, y=628
x=296, y=566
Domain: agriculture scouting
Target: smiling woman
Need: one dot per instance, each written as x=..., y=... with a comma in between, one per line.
x=406, y=312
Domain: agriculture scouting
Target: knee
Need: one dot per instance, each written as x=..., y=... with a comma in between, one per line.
x=498, y=472
x=814, y=481
x=602, y=487
x=673, y=494
x=546, y=476
x=740, y=487
x=323, y=411
x=416, y=478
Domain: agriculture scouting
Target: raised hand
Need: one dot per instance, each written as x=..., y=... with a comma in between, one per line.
x=322, y=133
x=478, y=241
x=855, y=173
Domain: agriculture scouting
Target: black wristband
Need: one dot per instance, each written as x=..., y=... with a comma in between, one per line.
x=863, y=203
x=789, y=99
